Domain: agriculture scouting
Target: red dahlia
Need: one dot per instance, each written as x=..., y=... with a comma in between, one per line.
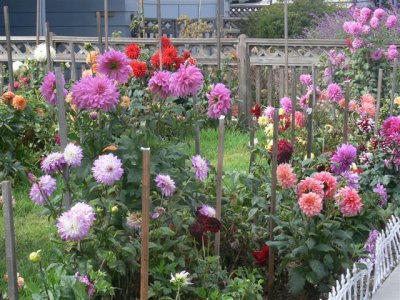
x=132, y=51
x=262, y=255
x=285, y=151
x=139, y=68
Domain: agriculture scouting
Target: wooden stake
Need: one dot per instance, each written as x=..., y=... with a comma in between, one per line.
x=394, y=86
x=244, y=65
x=378, y=101
x=274, y=163
x=1, y=79
x=218, y=205
x=258, y=84
x=9, y=48
x=281, y=82
x=48, y=44
x=286, y=49
x=218, y=25
x=270, y=84
x=62, y=131
x=159, y=21
x=346, y=113
x=10, y=240
x=144, y=257
x=196, y=129
x=73, y=62
x=294, y=100
x=37, y=21
x=106, y=24
x=99, y=32
x=141, y=19
x=310, y=114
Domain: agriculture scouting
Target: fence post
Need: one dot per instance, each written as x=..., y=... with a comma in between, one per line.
x=294, y=95
x=244, y=71
x=48, y=45
x=378, y=100
x=281, y=83
x=10, y=240
x=9, y=49
x=221, y=133
x=144, y=255
x=270, y=84
x=311, y=103
x=1, y=78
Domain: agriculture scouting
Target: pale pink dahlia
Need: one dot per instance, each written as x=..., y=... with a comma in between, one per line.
x=42, y=190
x=107, y=169
x=97, y=92
x=374, y=22
x=52, y=163
x=310, y=204
x=306, y=79
x=200, y=165
x=86, y=212
x=72, y=227
x=329, y=183
x=186, y=81
x=115, y=65
x=219, y=100
x=73, y=155
x=392, y=52
x=207, y=211
x=391, y=22
x=310, y=185
x=349, y=201
x=165, y=184
x=285, y=175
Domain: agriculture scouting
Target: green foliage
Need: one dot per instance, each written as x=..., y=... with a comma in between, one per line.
x=269, y=21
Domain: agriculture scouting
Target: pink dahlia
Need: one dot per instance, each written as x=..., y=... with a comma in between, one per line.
x=349, y=201
x=107, y=169
x=207, y=211
x=374, y=22
x=86, y=212
x=328, y=181
x=391, y=22
x=269, y=112
x=201, y=167
x=186, y=81
x=299, y=119
x=392, y=52
x=286, y=177
x=357, y=43
x=48, y=88
x=379, y=13
x=365, y=15
x=52, y=163
x=376, y=54
x=97, y=92
x=334, y=92
x=286, y=104
x=72, y=227
x=73, y=155
x=42, y=190
x=159, y=84
x=390, y=130
x=367, y=106
x=310, y=204
x=115, y=65
x=219, y=100
x=309, y=185
x=165, y=184
x=306, y=79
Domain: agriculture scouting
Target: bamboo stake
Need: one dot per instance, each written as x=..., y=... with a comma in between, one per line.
x=346, y=113
x=144, y=257
x=394, y=86
x=9, y=48
x=271, y=258
x=99, y=33
x=218, y=206
x=286, y=49
x=10, y=240
x=106, y=24
x=378, y=100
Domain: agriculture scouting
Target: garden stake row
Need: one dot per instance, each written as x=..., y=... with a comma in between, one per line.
x=49, y=62
x=63, y=132
x=106, y=24
x=394, y=85
x=10, y=240
x=9, y=49
x=144, y=256
x=221, y=132
x=271, y=262
x=73, y=62
x=99, y=32
x=346, y=113
x=378, y=100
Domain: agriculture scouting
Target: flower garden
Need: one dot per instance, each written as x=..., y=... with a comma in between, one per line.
x=319, y=183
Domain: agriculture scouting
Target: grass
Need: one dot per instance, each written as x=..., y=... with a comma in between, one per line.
x=33, y=230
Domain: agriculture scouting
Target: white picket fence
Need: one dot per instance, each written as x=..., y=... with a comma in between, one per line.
x=356, y=284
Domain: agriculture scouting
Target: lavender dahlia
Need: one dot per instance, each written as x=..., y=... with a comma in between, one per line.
x=370, y=244
x=73, y=155
x=334, y=92
x=52, y=163
x=343, y=158
x=352, y=179
x=159, y=84
x=186, y=81
x=286, y=104
x=72, y=227
x=42, y=190
x=97, y=92
x=201, y=167
x=48, y=88
x=306, y=79
x=382, y=192
x=165, y=184
x=115, y=65
x=219, y=101
x=90, y=288
x=85, y=211
x=207, y=211
x=107, y=169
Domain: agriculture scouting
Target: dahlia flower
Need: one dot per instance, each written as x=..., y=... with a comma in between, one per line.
x=352, y=179
x=329, y=183
x=48, y=88
x=19, y=102
x=134, y=220
x=107, y=169
x=374, y=22
x=382, y=192
x=379, y=13
x=349, y=201
x=370, y=244
x=52, y=163
x=165, y=184
x=334, y=92
x=306, y=79
x=285, y=175
x=392, y=52
x=343, y=158
x=72, y=227
x=40, y=53
x=286, y=104
x=391, y=22
x=219, y=101
x=285, y=151
x=376, y=54
x=90, y=288
x=132, y=51
x=390, y=130
x=159, y=83
x=42, y=190
x=115, y=65
x=308, y=185
x=186, y=81
x=201, y=167
x=180, y=279
x=310, y=204
x=139, y=68
x=207, y=211
x=97, y=92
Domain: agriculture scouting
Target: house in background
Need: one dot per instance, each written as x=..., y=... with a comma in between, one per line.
x=78, y=17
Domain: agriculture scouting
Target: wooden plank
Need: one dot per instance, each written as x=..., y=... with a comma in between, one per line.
x=10, y=240
x=62, y=131
x=106, y=24
x=378, y=101
x=243, y=80
x=281, y=83
x=48, y=60
x=73, y=62
x=9, y=48
x=346, y=113
x=37, y=21
x=270, y=84
x=159, y=22
x=99, y=32
x=274, y=164
x=145, y=236
x=218, y=205
x=1, y=79
x=394, y=86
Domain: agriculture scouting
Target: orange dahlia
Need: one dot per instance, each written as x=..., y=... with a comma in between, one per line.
x=19, y=102
x=8, y=97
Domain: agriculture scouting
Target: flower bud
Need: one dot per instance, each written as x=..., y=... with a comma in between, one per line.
x=35, y=257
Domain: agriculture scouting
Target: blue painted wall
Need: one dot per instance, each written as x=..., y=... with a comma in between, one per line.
x=78, y=17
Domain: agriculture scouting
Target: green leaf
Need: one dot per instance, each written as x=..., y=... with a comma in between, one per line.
x=310, y=243
x=297, y=280
x=318, y=268
x=323, y=248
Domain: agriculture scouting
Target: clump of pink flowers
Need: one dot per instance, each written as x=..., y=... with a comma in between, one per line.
x=285, y=175
x=349, y=201
x=166, y=184
x=310, y=204
x=219, y=101
x=201, y=167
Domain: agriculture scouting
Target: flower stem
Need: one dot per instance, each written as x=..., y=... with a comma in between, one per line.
x=44, y=280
